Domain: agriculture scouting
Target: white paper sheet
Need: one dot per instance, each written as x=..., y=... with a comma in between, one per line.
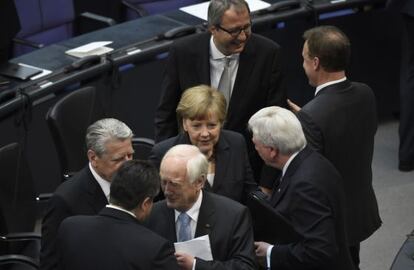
x=200, y=10
x=197, y=247
x=43, y=73
x=93, y=48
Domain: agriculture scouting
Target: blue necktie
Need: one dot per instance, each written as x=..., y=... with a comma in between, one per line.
x=184, y=233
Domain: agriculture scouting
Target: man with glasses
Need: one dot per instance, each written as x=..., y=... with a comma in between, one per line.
x=244, y=66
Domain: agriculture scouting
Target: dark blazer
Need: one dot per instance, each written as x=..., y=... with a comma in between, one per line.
x=311, y=199
x=228, y=225
x=340, y=123
x=112, y=240
x=233, y=177
x=80, y=195
x=405, y=6
x=257, y=82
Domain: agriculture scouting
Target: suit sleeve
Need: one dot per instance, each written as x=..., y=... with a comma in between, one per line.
x=276, y=92
x=240, y=248
x=56, y=213
x=312, y=217
x=165, y=116
x=313, y=133
x=249, y=182
x=165, y=259
x=155, y=156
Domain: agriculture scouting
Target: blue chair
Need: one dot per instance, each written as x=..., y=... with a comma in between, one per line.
x=45, y=22
x=141, y=8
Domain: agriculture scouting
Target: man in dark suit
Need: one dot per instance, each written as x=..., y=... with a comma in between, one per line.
x=9, y=27
x=308, y=195
x=109, y=145
x=406, y=129
x=227, y=223
x=254, y=68
x=340, y=123
x=116, y=239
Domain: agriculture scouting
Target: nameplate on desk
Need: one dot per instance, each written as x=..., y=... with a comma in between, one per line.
x=337, y=1
x=93, y=48
x=44, y=84
x=133, y=51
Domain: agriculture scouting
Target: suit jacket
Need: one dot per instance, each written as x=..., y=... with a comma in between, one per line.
x=233, y=176
x=311, y=199
x=340, y=123
x=112, y=240
x=80, y=195
x=228, y=225
x=257, y=83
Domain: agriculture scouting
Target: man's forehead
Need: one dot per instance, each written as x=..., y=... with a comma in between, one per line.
x=173, y=164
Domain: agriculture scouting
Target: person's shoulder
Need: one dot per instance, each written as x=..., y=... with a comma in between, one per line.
x=164, y=145
x=223, y=203
x=232, y=135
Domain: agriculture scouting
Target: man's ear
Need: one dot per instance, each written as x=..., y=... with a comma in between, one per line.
x=316, y=63
x=200, y=182
x=274, y=152
x=92, y=157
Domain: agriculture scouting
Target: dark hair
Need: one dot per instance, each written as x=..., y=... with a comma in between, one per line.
x=134, y=181
x=330, y=45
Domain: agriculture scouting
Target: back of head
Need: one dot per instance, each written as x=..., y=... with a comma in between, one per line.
x=330, y=45
x=105, y=130
x=278, y=128
x=217, y=8
x=133, y=182
x=199, y=101
x=196, y=162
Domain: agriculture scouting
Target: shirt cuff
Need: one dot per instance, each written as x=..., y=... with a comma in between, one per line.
x=194, y=262
x=268, y=252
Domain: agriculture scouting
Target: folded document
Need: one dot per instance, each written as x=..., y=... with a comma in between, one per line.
x=93, y=48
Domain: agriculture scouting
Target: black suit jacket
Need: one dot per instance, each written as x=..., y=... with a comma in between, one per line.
x=112, y=240
x=233, y=177
x=405, y=6
x=311, y=199
x=228, y=225
x=80, y=195
x=9, y=22
x=340, y=123
x=257, y=82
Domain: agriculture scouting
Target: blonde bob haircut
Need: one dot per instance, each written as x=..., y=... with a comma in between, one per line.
x=199, y=102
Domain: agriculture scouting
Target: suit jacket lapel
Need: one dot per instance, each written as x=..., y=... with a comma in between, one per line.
x=206, y=219
x=222, y=152
x=246, y=64
x=203, y=59
x=278, y=194
x=97, y=198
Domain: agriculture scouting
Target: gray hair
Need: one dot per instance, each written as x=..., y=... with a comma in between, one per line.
x=278, y=128
x=197, y=163
x=217, y=8
x=105, y=130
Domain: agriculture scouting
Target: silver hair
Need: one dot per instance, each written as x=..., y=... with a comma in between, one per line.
x=217, y=8
x=105, y=130
x=278, y=128
x=196, y=162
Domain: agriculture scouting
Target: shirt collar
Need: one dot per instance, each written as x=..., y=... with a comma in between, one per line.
x=105, y=185
x=120, y=209
x=320, y=87
x=215, y=53
x=194, y=210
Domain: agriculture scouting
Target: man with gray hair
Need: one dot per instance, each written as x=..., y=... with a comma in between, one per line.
x=308, y=195
x=244, y=66
x=189, y=212
x=109, y=145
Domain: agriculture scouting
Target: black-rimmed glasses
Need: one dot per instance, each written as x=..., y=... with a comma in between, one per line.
x=236, y=32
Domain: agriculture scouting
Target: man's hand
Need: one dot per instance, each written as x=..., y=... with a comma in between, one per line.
x=261, y=248
x=293, y=107
x=184, y=260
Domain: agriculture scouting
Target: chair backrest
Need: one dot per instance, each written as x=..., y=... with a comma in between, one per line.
x=17, y=192
x=68, y=120
x=44, y=22
x=142, y=147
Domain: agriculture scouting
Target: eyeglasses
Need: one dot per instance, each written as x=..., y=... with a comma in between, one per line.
x=236, y=32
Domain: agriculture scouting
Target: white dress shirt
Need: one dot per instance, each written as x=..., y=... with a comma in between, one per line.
x=320, y=87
